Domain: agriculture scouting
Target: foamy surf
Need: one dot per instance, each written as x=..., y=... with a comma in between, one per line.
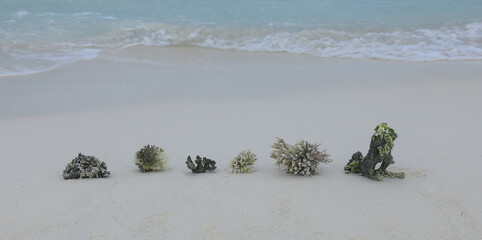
x=446, y=43
x=23, y=62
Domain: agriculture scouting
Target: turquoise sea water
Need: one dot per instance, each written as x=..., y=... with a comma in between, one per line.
x=44, y=34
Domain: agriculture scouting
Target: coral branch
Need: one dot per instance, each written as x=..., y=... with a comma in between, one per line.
x=202, y=165
x=299, y=159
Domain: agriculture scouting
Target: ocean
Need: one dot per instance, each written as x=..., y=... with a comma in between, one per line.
x=45, y=34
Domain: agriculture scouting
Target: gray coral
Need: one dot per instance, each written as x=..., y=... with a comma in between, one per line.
x=85, y=167
x=301, y=158
x=202, y=164
x=151, y=158
x=243, y=163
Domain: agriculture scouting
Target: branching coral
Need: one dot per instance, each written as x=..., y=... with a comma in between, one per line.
x=243, y=163
x=380, y=151
x=85, y=167
x=202, y=164
x=299, y=159
x=151, y=158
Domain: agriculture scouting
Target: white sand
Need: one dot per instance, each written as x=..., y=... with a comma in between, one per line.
x=216, y=103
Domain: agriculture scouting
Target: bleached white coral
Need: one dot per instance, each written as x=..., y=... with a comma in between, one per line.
x=243, y=163
x=300, y=159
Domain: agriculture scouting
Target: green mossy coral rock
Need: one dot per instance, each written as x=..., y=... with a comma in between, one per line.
x=243, y=163
x=380, y=151
x=151, y=158
x=299, y=159
x=85, y=167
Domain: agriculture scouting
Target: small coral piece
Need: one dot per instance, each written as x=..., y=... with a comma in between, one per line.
x=85, y=167
x=380, y=151
x=151, y=158
x=299, y=159
x=202, y=164
x=243, y=163
x=354, y=164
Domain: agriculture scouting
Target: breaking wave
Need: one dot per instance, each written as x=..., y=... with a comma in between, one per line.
x=463, y=42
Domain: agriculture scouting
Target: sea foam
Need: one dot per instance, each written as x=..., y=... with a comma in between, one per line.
x=457, y=42
x=446, y=43
x=23, y=62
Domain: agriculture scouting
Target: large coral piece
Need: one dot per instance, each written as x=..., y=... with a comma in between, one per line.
x=85, y=167
x=380, y=151
x=299, y=159
x=151, y=158
x=202, y=164
x=243, y=163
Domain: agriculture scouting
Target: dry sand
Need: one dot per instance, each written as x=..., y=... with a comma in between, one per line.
x=216, y=103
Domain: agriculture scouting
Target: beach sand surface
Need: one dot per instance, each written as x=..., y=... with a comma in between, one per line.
x=193, y=101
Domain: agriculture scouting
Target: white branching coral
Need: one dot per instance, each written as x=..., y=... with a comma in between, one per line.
x=300, y=159
x=243, y=163
x=151, y=158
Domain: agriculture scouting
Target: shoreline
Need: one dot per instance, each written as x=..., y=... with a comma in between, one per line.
x=192, y=101
x=117, y=57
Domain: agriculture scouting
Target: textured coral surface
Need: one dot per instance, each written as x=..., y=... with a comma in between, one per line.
x=243, y=162
x=151, y=158
x=85, y=167
x=299, y=159
x=202, y=164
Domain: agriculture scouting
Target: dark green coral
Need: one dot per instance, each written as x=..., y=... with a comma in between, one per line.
x=202, y=164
